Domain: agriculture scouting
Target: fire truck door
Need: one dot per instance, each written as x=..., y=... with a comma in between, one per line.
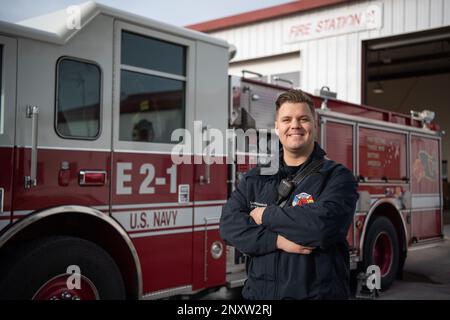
x=426, y=188
x=8, y=71
x=338, y=140
x=63, y=143
x=210, y=172
x=151, y=193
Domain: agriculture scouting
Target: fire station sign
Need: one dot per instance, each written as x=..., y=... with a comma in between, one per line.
x=332, y=23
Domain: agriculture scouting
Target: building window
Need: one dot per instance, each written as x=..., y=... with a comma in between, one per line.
x=78, y=99
x=153, y=89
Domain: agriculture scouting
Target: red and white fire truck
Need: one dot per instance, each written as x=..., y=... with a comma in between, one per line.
x=91, y=203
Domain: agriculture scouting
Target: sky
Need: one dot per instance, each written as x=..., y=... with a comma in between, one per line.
x=177, y=12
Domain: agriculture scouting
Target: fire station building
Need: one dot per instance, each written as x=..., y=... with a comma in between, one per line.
x=391, y=54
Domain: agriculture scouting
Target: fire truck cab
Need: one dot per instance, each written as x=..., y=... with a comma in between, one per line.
x=90, y=97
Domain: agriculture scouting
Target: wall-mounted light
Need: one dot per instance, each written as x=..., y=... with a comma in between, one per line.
x=378, y=88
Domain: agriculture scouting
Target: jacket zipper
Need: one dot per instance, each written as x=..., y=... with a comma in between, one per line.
x=277, y=259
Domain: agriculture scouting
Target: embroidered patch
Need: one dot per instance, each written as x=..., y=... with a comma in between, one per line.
x=301, y=199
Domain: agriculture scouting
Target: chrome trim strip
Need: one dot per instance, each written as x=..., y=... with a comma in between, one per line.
x=37, y=216
x=170, y=152
x=425, y=195
x=375, y=127
x=425, y=202
x=120, y=151
x=375, y=196
x=343, y=121
x=212, y=203
x=422, y=135
x=156, y=233
x=215, y=202
x=160, y=233
x=168, y=293
x=402, y=183
x=377, y=123
x=152, y=72
x=425, y=209
x=151, y=205
x=65, y=148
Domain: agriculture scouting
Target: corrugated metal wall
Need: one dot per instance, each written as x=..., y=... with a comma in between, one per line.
x=336, y=61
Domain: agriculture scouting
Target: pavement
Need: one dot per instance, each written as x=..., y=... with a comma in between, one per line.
x=426, y=275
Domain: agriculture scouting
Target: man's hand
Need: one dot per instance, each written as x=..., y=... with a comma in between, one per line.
x=291, y=247
x=257, y=214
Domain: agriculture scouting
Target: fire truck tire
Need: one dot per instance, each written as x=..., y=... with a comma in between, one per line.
x=382, y=248
x=47, y=269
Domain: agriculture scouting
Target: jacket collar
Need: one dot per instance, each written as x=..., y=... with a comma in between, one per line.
x=317, y=154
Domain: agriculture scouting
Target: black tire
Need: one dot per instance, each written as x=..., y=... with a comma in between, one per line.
x=28, y=267
x=383, y=232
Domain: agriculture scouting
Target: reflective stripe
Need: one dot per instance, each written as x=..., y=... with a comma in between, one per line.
x=168, y=232
x=428, y=201
x=151, y=205
x=167, y=205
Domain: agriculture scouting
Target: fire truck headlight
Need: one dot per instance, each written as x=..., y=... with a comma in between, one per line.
x=216, y=249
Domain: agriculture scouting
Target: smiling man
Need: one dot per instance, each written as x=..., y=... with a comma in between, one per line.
x=295, y=243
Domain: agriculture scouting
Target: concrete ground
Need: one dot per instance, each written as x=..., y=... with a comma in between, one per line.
x=426, y=275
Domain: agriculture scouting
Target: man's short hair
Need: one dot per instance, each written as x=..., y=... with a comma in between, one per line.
x=295, y=96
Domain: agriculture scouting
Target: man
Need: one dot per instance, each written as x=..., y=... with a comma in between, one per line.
x=299, y=250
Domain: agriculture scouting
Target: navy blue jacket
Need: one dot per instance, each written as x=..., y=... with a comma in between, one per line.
x=276, y=274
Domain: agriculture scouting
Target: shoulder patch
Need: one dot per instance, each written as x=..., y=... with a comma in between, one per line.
x=302, y=198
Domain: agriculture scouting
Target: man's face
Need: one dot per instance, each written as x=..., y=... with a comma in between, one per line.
x=295, y=126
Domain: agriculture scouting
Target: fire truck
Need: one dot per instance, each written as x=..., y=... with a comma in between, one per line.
x=92, y=205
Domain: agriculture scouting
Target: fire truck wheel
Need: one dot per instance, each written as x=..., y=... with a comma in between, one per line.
x=381, y=248
x=60, y=268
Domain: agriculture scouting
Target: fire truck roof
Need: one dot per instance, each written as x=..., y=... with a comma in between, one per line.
x=52, y=27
